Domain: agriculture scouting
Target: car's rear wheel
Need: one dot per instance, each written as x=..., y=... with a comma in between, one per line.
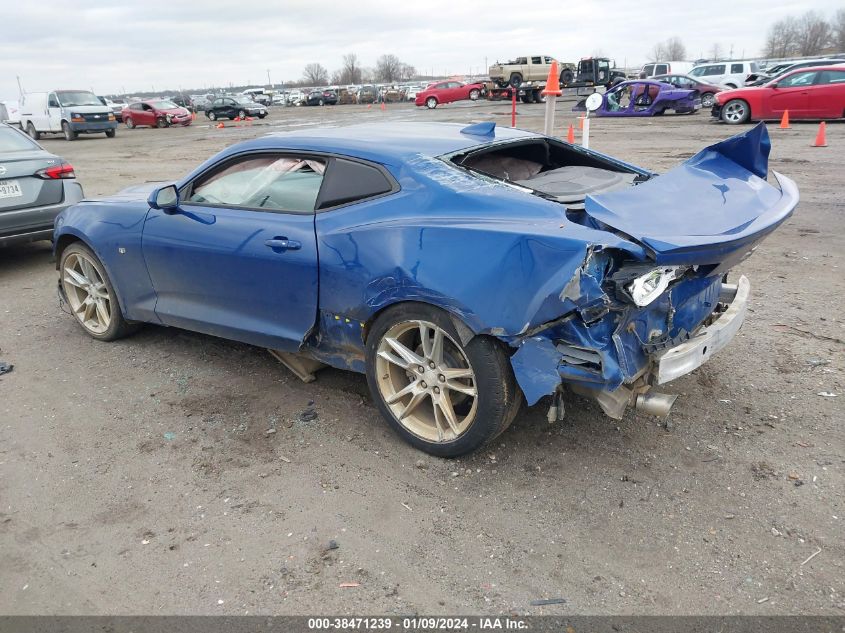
x=707, y=100
x=70, y=135
x=90, y=295
x=33, y=133
x=515, y=80
x=431, y=103
x=242, y=114
x=441, y=396
x=211, y=115
x=566, y=77
x=474, y=94
x=261, y=116
x=736, y=111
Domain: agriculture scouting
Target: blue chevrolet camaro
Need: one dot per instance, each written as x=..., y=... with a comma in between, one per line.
x=463, y=269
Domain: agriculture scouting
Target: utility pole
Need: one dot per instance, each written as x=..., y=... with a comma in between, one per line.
x=20, y=88
x=269, y=83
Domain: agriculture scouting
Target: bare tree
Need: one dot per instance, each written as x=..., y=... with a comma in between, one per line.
x=658, y=53
x=351, y=71
x=315, y=74
x=814, y=34
x=716, y=51
x=388, y=68
x=406, y=72
x=839, y=31
x=675, y=49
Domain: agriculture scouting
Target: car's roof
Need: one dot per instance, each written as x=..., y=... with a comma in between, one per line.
x=390, y=143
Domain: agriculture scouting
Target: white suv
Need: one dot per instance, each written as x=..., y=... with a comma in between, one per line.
x=731, y=74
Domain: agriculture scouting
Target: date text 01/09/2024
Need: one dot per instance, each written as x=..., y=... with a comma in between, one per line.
x=417, y=623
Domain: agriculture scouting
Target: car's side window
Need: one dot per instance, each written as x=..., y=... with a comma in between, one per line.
x=798, y=79
x=831, y=77
x=662, y=69
x=736, y=68
x=350, y=181
x=268, y=182
x=536, y=60
x=52, y=101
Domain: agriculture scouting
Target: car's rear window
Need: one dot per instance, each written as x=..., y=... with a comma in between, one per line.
x=12, y=141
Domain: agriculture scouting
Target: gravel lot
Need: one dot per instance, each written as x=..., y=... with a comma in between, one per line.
x=137, y=476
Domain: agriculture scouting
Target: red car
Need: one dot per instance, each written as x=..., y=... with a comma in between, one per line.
x=707, y=91
x=155, y=113
x=808, y=93
x=447, y=92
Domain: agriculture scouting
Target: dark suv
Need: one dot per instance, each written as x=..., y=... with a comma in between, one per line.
x=321, y=97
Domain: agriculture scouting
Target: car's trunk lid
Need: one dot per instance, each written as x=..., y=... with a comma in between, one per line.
x=20, y=187
x=714, y=208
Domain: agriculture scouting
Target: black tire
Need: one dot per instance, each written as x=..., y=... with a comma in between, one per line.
x=707, y=100
x=161, y=122
x=537, y=96
x=70, y=135
x=33, y=133
x=118, y=327
x=526, y=98
x=129, y=123
x=211, y=115
x=242, y=114
x=566, y=77
x=499, y=397
x=515, y=80
x=431, y=103
x=111, y=133
x=474, y=94
x=261, y=116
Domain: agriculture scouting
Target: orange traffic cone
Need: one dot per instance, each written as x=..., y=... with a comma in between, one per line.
x=237, y=118
x=553, y=82
x=383, y=106
x=570, y=135
x=369, y=106
x=580, y=123
x=784, y=122
x=821, y=141
x=193, y=116
x=220, y=126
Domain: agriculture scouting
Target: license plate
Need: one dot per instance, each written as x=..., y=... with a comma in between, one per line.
x=10, y=189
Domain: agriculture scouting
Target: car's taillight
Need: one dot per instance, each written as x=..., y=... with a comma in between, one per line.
x=65, y=170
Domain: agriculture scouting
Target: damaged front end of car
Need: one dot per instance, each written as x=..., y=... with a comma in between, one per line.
x=627, y=325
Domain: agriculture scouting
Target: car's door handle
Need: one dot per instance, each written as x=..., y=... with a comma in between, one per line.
x=283, y=244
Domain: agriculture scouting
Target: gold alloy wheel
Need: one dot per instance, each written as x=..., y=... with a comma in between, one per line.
x=86, y=293
x=426, y=380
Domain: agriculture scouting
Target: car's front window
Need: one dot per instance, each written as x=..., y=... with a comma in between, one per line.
x=164, y=105
x=275, y=183
x=70, y=98
x=798, y=79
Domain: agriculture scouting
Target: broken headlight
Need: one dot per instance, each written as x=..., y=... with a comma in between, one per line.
x=646, y=288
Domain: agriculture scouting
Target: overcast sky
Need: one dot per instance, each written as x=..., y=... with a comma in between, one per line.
x=153, y=44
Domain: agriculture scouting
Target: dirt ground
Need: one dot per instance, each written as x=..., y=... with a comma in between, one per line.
x=137, y=477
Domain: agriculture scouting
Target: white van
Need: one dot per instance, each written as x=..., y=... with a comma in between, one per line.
x=68, y=112
x=665, y=68
x=730, y=74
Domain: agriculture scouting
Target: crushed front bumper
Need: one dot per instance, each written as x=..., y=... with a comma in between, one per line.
x=682, y=359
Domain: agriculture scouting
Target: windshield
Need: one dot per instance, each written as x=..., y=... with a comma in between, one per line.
x=164, y=105
x=12, y=141
x=244, y=101
x=70, y=98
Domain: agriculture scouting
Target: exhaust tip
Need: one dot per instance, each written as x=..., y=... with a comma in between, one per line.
x=656, y=404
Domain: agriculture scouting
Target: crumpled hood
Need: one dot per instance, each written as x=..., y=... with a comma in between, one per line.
x=713, y=208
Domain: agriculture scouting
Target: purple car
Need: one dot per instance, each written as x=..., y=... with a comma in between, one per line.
x=645, y=98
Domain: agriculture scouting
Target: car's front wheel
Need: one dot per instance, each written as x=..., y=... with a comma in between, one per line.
x=90, y=294
x=211, y=115
x=242, y=115
x=70, y=135
x=440, y=395
x=110, y=133
x=161, y=122
x=474, y=94
x=33, y=133
x=431, y=103
x=736, y=111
